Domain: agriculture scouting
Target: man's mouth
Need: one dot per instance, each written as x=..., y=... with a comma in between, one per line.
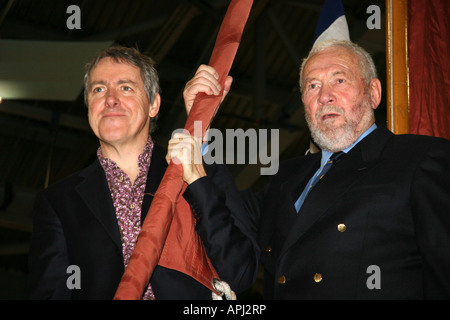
x=112, y=114
x=328, y=116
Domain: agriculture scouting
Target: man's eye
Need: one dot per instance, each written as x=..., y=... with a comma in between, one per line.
x=97, y=89
x=312, y=86
x=126, y=88
x=340, y=80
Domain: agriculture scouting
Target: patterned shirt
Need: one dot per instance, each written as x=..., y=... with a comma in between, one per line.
x=127, y=198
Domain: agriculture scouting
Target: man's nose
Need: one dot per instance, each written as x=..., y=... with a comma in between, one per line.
x=112, y=100
x=326, y=95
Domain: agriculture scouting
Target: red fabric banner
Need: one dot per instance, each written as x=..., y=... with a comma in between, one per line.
x=429, y=52
x=168, y=235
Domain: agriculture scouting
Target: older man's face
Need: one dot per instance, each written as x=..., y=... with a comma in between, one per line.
x=119, y=110
x=337, y=103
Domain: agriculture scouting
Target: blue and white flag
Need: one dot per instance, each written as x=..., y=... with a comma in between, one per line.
x=332, y=23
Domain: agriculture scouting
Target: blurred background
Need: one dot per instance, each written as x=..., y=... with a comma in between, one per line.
x=44, y=133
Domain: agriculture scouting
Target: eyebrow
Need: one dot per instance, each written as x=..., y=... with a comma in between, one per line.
x=335, y=73
x=121, y=81
x=93, y=83
x=309, y=79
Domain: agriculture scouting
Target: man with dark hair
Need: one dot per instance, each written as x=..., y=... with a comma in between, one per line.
x=89, y=222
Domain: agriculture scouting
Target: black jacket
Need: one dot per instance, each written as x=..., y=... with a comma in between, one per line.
x=75, y=224
x=377, y=226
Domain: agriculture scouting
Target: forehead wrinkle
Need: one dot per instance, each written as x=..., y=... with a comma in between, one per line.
x=333, y=74
x=338, y=72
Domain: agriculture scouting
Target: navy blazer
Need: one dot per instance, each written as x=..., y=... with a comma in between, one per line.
x=75, y=224
x=377, y=226
x=384, y=205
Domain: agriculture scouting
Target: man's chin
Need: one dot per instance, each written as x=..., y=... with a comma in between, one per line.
x=331, y=125
x=336, y=139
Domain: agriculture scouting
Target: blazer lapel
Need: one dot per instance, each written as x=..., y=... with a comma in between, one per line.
x=158, y=166
x=94, y=191
x=348, y=171
x=291, y=189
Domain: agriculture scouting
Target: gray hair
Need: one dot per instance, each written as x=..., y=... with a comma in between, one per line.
x=366, y=64
x=131, y=56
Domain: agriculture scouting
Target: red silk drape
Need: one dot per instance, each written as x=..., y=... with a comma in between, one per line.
x=168, y=235
x=429, y=60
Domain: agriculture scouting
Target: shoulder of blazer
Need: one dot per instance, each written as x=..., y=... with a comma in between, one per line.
x=158, y=165
x=372, y=146
x=388, y=144
x=62, y=186
x=420, y=143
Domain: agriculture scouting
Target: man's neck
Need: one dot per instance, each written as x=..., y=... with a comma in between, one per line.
x=125, y=155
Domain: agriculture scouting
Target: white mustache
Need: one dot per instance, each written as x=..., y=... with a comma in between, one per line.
x=329, y=109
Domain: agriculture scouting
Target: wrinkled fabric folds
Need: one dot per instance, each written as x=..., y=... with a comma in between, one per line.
x=429, y=51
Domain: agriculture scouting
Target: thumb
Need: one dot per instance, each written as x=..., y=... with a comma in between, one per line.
x=227, y=86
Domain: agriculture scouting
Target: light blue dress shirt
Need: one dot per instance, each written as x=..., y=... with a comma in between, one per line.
x=325, y=156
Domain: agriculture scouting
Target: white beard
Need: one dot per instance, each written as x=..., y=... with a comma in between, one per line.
x=335, y=139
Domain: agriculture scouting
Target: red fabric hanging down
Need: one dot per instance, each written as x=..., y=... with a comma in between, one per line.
x=168, y=235
x=429, y=52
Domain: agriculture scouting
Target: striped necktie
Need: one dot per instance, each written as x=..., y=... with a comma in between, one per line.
x=333, y=159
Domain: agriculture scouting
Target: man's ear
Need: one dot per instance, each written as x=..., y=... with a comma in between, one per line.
x=154, y=107
x=375, y=92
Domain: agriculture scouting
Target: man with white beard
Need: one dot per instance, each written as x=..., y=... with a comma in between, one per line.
x=335, y=124
x=368, y=217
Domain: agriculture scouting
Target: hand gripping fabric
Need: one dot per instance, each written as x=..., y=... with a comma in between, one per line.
x=168, y=235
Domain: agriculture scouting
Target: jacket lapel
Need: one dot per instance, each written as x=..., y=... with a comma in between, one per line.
x=345, y=173
x=158, y=166
x=291, y=189
x=94, y=191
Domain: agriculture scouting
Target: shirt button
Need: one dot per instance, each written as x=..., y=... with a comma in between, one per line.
x=341, y=227
x=268, y=249
x=132, y=206
x=281, y=279
x=317, y=277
